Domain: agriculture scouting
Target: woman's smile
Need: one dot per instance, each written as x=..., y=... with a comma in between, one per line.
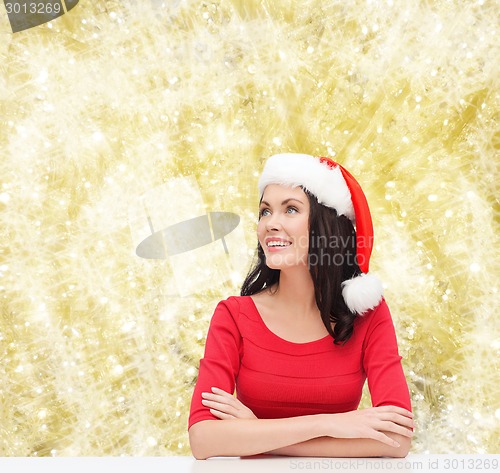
x=277, y=244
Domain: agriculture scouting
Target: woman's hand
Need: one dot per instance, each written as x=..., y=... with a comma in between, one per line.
x=225, y=406
x=371, y=423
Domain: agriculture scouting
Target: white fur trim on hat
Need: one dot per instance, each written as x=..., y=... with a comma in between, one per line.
x=326, y=183
x=362, y=293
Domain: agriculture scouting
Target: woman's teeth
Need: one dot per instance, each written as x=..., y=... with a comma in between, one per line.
x=278, y=243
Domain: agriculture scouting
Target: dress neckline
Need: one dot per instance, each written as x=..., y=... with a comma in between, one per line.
x=281, y=339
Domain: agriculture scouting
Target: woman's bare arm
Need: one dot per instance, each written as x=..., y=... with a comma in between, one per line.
x=348, y=448
x=244, y=437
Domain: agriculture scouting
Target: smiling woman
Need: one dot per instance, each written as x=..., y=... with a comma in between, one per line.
x=309, y=328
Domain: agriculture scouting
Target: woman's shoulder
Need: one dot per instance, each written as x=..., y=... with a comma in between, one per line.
x=374, y=315
x=379, y=309
x=237, y=306
x=236, y=314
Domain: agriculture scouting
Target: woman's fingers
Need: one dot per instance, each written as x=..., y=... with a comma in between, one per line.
x=220, y=406
x=221, y=392
x=216, y=397
x=226, y=403
x=381, y=437
x=394, y=410
x=394, y=419
x=221, y=415
x=395, y=428
x=394, y=414
x=374, y=423
x=401, y=420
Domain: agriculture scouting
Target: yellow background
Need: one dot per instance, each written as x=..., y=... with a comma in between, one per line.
x=99, y=348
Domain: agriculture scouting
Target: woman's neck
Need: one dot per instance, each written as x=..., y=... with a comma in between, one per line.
x=296, y=293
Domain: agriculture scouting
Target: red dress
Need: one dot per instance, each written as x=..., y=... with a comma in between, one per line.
x=277, y=378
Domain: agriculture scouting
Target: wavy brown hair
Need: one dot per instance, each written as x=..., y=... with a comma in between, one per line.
x=331, y=260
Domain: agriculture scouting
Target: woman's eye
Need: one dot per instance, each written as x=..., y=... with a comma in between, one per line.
x=292, y=208
x=263, y=212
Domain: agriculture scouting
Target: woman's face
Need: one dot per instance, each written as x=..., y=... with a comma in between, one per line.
x=283, y=228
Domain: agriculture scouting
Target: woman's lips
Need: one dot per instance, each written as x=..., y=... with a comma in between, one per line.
x=275, y=245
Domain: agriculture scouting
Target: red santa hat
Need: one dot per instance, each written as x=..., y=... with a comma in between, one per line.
x=334, y=187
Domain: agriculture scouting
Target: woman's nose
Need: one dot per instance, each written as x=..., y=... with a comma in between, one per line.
x=273, y=222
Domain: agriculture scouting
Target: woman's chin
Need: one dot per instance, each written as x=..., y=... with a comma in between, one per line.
x=281, y=262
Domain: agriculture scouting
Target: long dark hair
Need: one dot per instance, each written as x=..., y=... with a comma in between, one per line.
x=331, y=260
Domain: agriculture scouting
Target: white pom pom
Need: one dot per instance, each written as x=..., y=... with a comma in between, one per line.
x=362, y=293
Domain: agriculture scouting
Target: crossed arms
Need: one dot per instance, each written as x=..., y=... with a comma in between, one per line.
x=373, y=432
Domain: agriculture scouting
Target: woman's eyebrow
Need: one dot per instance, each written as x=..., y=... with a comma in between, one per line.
x=284, y=202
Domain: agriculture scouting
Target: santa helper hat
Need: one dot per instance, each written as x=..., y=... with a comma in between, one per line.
x=334, y=187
